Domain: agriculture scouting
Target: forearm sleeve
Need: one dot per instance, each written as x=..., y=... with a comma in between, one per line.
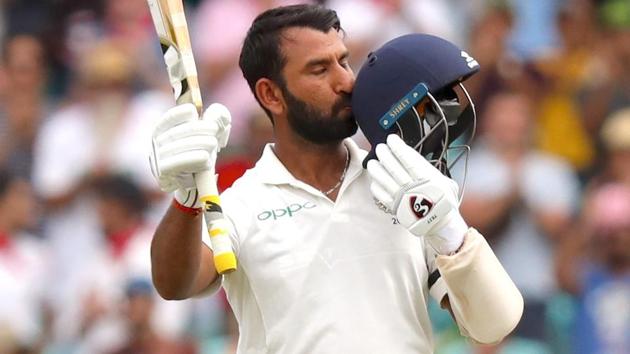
x=485, y=302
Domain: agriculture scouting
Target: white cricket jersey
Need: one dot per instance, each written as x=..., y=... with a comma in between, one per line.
x=317, y=276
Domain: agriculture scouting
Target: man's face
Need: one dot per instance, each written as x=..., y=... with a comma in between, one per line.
x=508, y=121
x=25, y=63
x=17, y=205
x=318, y=84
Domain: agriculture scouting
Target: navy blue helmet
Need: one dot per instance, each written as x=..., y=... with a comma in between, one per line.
x=412, y=86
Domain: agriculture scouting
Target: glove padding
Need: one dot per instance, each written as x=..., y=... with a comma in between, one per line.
x=183, y=144
x=423, y=200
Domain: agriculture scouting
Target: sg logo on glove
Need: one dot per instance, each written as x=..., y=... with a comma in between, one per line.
x=420, y=208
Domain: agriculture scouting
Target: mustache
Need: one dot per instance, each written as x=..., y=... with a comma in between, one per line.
x=343, y=102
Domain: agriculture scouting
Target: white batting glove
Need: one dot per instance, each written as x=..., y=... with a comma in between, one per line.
x=423, y=200
x=183, y=144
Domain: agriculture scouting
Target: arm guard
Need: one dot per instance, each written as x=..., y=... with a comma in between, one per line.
x=485, y=302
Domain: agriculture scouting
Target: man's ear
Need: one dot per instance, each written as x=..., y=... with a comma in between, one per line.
x=270, y=96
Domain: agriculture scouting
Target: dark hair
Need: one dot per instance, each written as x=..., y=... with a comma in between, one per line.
x=261, y=55
x=123, y=189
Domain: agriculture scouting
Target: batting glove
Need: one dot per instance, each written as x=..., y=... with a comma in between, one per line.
x=183, y=144
x=423, y=200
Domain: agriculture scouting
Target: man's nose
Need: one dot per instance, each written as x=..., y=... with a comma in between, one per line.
x=345, y=81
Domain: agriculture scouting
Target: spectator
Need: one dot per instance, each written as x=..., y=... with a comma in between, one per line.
x=74, y=27
x=23, y=102
x=23, y=269
x=127, y=23
x=488, y=45
x=612, y=91
x=594, y=265
x=522, y=200
x=563, y=75
x=615, y=136
x=141, y=337
x=77, y=25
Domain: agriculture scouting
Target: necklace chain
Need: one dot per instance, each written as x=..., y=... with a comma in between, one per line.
x=343, y=175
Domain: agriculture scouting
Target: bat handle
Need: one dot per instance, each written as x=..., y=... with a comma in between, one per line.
x=224, y=257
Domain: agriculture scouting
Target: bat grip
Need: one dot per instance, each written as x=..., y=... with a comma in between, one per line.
x=224, y=257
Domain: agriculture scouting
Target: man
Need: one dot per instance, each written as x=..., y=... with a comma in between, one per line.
x=321, y=268
x=23, y=268
x=137, y=310
x=594, y=266
x=23, y=101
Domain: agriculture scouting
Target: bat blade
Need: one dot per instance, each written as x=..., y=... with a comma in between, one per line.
x=171, y=26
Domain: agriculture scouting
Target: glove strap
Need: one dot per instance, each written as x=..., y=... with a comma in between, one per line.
x=185, y=209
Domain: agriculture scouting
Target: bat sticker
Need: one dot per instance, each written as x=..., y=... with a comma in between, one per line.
x=179, y=79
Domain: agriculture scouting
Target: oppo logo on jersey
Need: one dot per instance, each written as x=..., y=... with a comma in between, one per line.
x=289, y=211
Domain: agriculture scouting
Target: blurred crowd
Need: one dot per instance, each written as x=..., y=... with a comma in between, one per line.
x=548, y=179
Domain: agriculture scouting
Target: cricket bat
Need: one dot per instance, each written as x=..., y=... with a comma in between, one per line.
x=172, y=29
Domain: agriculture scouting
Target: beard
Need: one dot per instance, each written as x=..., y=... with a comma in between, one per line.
x=314, y=126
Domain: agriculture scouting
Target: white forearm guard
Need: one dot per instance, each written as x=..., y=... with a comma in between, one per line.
x=485, y=302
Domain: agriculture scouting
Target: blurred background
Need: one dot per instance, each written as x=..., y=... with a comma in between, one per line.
x=82, y=81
